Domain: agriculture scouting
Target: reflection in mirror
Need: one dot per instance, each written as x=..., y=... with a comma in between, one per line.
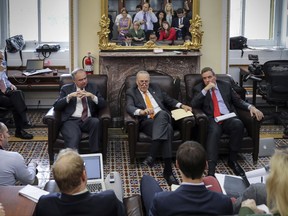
x=112, y=23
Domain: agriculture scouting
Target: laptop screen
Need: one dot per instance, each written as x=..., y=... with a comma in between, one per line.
x=93, y=165
x=34, y=64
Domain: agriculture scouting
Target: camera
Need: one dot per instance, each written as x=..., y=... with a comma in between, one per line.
x=255, y=68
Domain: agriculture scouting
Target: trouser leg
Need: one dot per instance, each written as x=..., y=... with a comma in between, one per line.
x=71, y=133
x=148, y=188
x=92, y=126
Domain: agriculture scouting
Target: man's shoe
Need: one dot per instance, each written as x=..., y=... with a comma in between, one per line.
x=23, y=135
x=236, y=168
x=27, y=125
x=149, y=161
x=171, y=179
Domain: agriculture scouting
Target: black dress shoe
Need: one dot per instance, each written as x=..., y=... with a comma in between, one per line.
x=149, y=161
x=23, y=135
x=236, y=168
x=171, y=179
x=27, y=125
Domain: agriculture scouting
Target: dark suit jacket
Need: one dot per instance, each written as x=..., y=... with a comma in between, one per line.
x=134, y=99
x=230, y=97
x=59, y=204
x=185, y=28
x=191, y=200
x=68, y=109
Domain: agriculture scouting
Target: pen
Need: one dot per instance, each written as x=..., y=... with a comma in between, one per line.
x=208, y=186
x=261, y=179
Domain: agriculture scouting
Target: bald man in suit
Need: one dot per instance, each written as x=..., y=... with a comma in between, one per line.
x=155, y=119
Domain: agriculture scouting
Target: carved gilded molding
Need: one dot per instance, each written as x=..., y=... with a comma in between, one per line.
x=195, y=30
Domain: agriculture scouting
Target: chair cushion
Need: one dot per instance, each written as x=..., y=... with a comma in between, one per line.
x=133, y=205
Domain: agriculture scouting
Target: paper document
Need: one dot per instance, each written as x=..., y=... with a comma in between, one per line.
x=46, y=70
x=180, y=113
x=33, y=193
x=224, y=117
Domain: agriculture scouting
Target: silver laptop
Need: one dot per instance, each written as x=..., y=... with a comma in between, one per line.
x=33, y=65
x=266, y=147
x=94, y=170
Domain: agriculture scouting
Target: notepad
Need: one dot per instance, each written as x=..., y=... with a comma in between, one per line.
x=33, y=193
x=224, y=117
x=180, y=113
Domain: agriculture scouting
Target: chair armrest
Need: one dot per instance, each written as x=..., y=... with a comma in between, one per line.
x=251, y=124
x=105, y=113
x=185, y=126
x=133, y=205
x=199, y=132
x=53, y=121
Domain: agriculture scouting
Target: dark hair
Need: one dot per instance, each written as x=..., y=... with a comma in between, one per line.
x=139, y=6
x=191, y=158
x=161, y=11
x=128, y=35
x=179, y=11
x=205, y=69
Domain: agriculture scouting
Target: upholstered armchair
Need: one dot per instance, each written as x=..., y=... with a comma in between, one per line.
x=250, y=142
x=53, y=119
x=139, y=142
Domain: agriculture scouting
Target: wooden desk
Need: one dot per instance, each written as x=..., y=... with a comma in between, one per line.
x=15, y=204
x=40, y=82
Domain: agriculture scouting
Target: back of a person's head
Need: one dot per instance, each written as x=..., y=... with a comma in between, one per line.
x=277, y=183
x=68, y=170
x=191, y=159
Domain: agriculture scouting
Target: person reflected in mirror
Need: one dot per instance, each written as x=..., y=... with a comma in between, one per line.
x=13, y=99
x=170, y=13
x=138, y=8
x=124, y=25
x=187, y=10
x=13, y=167
x=216, y=98
x=167, y=33
x=137, y=33
x=111, y=24
x=146, y=18
x=153, y=38
x=181, y=24
x=150, y=105
x=119, y=16
x=161, y=16
x=128, y=40
x=187, y=39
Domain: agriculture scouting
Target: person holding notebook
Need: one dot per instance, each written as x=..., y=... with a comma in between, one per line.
x=217, y=98
x=74, y=198
x=13, y=99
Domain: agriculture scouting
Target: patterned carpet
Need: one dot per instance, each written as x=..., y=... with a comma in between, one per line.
x=118, y=156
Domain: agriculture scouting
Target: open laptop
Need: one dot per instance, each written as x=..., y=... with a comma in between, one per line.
x=94, y=170
x=35, y=66
x=266, y=147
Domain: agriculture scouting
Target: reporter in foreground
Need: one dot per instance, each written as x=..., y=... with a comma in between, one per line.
x=276, y=186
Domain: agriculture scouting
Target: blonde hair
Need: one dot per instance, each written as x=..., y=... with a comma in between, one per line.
x=277, y=183
x=68, y=170
x=172, y=10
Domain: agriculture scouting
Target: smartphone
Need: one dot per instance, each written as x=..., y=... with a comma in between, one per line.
x=111, y=179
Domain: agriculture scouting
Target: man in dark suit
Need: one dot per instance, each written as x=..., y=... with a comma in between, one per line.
x=181, y=24
x=74, y=198
x=191, y=197
x=13, y=99
x=79, y=103
x=215, y=98
x=149, y=103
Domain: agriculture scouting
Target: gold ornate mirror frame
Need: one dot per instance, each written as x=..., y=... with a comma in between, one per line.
x=195, y=30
